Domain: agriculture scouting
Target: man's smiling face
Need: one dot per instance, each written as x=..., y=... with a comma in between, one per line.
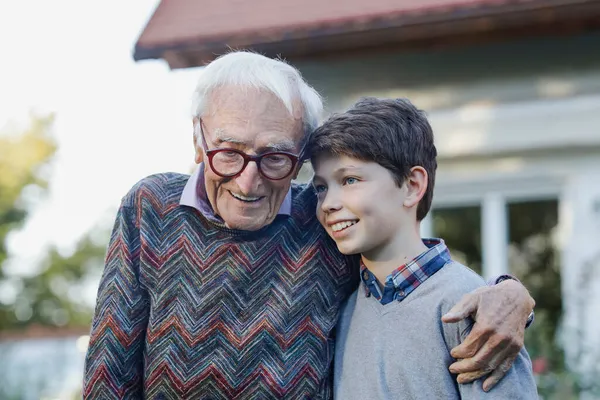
x=254, y=122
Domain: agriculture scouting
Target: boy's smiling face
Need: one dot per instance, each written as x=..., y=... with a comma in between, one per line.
x=361, y=206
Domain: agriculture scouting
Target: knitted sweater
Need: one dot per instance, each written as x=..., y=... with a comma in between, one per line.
x=401, y=350
x=188, y=309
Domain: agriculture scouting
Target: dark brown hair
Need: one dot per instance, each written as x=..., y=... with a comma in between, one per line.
x=391, y=132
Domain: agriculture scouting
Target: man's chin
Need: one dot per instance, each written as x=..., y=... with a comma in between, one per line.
x=248, y=223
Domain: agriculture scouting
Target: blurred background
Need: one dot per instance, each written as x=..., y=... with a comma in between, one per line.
x=95, y=96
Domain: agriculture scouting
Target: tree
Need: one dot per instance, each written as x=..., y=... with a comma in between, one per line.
x=52, y=297
x=23, y=156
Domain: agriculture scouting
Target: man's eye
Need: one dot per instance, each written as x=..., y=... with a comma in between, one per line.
x=275, y=160
x=350, y=181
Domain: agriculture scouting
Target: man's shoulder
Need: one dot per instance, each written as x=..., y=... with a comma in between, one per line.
x=303, y=191
x=162, y=188
x=304, y=199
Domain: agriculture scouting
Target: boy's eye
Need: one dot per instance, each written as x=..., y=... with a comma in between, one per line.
x=350, y=181
x=320, y=188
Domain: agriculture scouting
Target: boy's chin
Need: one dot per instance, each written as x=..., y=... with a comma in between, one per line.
x=347, y=250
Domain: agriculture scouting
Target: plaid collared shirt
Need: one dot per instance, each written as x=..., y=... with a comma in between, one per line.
x=403, y=280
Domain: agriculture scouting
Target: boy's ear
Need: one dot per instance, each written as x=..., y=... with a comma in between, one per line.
x=416, y=186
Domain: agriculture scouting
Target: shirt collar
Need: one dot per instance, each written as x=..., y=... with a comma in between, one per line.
x=406, y=278
x=194, y=195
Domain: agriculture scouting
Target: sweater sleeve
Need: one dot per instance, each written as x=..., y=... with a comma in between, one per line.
x=518, y=383
x=114, y=360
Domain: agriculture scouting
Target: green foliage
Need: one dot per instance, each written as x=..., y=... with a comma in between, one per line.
x=52, y=297
x=22, y=156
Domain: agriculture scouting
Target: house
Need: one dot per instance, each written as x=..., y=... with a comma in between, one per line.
x=512, y=88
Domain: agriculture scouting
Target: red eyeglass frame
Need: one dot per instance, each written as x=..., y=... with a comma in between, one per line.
x=295, y=158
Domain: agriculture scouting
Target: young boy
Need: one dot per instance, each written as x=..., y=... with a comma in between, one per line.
x=374, y=175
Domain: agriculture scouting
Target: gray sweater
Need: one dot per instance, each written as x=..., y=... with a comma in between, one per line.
x=401, y=350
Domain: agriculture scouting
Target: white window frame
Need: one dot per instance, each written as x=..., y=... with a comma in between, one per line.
x=493, y=196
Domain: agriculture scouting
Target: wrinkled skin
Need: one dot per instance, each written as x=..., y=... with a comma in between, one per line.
x=500, y=312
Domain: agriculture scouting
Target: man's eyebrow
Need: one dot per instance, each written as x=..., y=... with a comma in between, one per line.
x=285, y=145
x=222, y=138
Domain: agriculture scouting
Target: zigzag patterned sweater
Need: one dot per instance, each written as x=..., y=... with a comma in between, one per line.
x=188, y=309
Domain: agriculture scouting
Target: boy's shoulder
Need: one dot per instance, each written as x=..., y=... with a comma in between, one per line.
x=455, y=280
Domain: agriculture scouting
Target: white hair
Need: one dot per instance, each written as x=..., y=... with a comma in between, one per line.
x=244, y=68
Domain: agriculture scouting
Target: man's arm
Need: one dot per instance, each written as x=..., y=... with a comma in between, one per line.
x=114, y=360
x=518, y=383
x=500, y=313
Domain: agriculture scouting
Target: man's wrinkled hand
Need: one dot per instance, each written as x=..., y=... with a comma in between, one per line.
x=500, y=313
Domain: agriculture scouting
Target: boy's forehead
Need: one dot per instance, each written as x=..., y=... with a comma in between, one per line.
x=328, y=163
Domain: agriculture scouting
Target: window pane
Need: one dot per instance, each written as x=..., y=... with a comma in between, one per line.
x=460, y=227
x=534, y=259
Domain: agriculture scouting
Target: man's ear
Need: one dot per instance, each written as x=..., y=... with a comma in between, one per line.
x=199, y=153
x=416, y=185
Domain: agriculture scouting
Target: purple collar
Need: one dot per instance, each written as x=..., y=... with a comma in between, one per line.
x=194, y=195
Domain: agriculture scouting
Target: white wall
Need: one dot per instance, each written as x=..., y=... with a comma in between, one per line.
x=580, y=213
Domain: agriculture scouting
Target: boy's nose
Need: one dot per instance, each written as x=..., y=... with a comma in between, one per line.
x=331, y=202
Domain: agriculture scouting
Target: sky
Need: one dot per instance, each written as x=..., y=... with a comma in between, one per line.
x=117, y=121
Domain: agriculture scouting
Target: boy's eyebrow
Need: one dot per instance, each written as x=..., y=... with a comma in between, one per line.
x=339, y=171
x=345, y=169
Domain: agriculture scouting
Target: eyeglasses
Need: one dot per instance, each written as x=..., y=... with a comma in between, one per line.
x=229, y=163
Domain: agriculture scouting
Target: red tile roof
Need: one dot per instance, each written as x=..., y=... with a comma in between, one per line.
x=214, y=24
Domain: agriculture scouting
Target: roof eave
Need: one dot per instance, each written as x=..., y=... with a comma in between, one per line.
x=470, y=24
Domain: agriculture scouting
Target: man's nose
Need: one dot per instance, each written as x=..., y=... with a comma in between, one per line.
x=250, y=179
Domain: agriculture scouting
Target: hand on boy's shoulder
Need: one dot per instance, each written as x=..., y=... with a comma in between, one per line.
x=459, y=281
x=495, y=340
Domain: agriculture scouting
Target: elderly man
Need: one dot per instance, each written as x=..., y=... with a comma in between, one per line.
x=223, y=285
